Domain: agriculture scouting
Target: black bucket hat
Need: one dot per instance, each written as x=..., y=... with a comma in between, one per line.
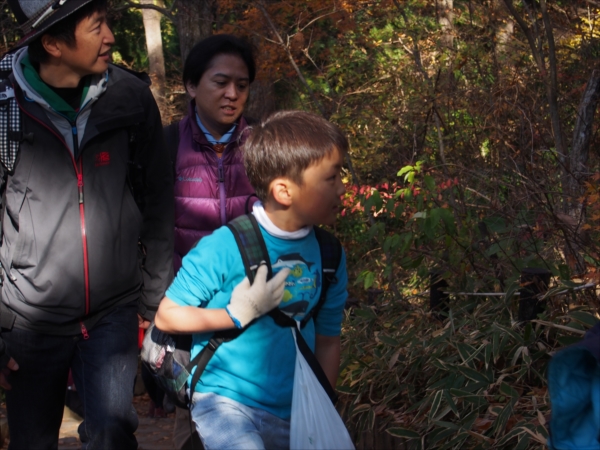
x=36, y=16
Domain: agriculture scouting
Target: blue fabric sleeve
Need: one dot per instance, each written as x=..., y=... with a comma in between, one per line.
x=329, y=320
x=207, y=271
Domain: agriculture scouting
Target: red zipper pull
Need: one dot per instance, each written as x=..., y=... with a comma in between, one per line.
x=84, y=331
x=80, y=186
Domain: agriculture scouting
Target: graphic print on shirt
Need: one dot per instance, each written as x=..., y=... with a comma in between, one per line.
x=301, y=286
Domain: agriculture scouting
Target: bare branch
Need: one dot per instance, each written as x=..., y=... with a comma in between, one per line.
x=167, y=12
x=285, y=47
x=319, y=18
x=539, y=59
x=553, y=86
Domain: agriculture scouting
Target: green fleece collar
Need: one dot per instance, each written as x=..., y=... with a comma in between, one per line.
x=54, y=100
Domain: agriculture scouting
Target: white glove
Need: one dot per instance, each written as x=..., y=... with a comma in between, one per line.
x=249, y=302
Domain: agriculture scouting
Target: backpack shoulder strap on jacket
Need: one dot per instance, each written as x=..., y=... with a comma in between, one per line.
x=171, y=134
x=252, y=246
x=331, y=256
x=10, y=116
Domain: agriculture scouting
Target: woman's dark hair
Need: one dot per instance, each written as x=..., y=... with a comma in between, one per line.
x=200, y=57
x=64, y=30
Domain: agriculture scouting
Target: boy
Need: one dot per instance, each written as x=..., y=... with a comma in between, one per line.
x=243, y=398
x=75, y=287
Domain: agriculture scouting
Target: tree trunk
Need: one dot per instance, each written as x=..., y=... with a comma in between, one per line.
x=156, y=60
x=504, y=27
x=194, y=21
x=580, y=148
x=262, y=100
x=446, y=21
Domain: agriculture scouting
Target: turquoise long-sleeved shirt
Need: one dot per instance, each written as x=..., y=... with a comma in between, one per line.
x=257, y=368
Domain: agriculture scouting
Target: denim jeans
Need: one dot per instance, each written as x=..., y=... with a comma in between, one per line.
x=103, y=367
x=223, y=424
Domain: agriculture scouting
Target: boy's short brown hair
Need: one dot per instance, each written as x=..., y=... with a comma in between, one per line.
x=286, y=144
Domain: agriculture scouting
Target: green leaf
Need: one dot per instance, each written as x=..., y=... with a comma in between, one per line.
x=361, y=408
x=500, y=422
x=451, y=403
x=448, y=219
x=404, y=170
x=584, y=317
x=369, y=279
x=345, y=389
x=444, y=424
x=496, y=344
x=568, y=340
x=467, y=396
x=487, y=354
x=403, y=433
x=366, y=313
x=430, y=183
x=508, y=391
x=472, y=374
x=523, y=442
x=466, y=352
x=516, y=337
x=435, y=405
x=388, y=340
x=391, y=243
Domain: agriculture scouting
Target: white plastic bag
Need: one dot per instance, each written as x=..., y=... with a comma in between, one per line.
x=315, y=423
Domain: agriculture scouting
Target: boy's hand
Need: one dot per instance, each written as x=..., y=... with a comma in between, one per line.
x=249, y=302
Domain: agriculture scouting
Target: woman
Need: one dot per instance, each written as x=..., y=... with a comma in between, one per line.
x=211, y=186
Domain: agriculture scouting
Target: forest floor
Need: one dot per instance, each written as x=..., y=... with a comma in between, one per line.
x=152, y=433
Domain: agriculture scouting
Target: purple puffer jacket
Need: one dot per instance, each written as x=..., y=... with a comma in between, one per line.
x=203, y=181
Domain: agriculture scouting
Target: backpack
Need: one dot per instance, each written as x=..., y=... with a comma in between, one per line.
x=10, y=117
x=167, y=356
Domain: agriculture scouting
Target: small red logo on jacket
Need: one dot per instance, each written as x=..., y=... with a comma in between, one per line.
x=102, y=159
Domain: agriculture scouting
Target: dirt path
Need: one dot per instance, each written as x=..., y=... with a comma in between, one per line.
x=152, y=434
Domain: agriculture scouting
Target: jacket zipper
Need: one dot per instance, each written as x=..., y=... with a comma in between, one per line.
x=79, y=172
x=222, y=198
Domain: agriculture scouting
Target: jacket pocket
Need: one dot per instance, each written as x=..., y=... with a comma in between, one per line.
x=25, y=250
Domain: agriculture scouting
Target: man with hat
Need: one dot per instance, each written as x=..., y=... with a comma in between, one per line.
x=87, y=226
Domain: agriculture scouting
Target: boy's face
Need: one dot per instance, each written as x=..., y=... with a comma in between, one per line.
x=91, y=53
x=317, y=200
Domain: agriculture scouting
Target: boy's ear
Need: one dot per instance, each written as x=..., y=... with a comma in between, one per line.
x=52, y=45
x=281, y=191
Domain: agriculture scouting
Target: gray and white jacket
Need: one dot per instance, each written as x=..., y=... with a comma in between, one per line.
x=70, y=224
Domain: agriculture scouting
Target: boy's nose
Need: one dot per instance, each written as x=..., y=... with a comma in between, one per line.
x=109, y=37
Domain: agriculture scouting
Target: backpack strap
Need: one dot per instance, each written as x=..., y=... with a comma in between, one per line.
x=247, y=206
x=10, y=116
x=171, y=135
x=331, y=256
x=252, y=246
